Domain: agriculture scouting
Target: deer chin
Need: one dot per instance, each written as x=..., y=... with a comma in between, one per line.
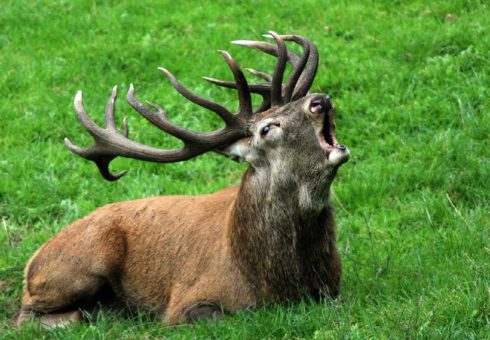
x=339, y=155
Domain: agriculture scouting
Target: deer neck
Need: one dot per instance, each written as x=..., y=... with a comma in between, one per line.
x=278, y=224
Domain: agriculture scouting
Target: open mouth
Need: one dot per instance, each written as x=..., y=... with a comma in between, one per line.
x=328, y=141
x=335, y=153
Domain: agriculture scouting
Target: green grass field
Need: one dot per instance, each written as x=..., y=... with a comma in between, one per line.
x=411, y=83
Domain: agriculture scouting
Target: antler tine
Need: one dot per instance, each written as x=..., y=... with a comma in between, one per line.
x=226, y=115
x=93, y=153
x=259, y=74
x=244, y=97
x=160, y=119
x=308, y=75
x=276, y=84
x=267, y=48
x=261, y=89
x=298, y=68
x=266, y=93
x=109, y=110
x=264, y=90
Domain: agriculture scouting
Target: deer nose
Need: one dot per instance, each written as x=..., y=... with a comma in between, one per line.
x=321, y=104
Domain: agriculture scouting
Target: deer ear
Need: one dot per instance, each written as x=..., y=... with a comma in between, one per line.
x=236, y=151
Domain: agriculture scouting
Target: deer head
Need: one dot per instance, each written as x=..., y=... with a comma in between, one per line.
x=290, y=130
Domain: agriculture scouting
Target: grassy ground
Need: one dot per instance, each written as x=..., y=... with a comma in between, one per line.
x=410, y=79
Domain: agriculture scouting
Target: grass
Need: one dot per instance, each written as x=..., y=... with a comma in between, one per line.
x=411, y=82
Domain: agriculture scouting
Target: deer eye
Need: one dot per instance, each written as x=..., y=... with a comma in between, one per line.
x=265, y=130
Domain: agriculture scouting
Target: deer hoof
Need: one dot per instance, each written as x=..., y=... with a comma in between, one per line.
x=204, y=311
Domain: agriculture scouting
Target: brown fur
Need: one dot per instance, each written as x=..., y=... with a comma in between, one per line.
x=186, y=257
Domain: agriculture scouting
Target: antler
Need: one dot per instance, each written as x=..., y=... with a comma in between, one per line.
x=110, y=143
x=274, y=92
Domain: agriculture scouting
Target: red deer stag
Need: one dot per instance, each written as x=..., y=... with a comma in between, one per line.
x=272, y=238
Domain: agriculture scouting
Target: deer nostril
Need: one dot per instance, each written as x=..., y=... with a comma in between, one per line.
x=321, y=105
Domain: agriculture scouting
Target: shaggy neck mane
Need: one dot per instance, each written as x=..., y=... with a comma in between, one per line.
x=275, y=236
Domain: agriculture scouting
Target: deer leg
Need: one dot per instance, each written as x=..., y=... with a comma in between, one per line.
x=57, y=287
x=71, y=271
x=56, y=304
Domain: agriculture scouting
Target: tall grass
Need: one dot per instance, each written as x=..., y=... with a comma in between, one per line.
x=411, y=82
